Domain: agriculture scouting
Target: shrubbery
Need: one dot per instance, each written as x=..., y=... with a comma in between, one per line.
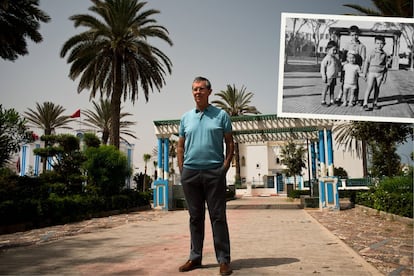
x=41, y=208
x=297, y=193
x=82, y=184
x=392, y=195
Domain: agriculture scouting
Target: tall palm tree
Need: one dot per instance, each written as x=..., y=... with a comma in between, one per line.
x=19, y=19
x=48, y=117
x=113, y=55
x=236, y=102
x=403, y=8
x=100, y=118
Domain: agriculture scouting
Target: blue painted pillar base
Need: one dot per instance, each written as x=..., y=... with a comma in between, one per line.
x=328, y=193
x=161, y=194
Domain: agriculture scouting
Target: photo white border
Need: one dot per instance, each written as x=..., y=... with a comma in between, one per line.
x=280, y=113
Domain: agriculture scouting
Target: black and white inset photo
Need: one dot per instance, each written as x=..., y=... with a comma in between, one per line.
x=346, y=67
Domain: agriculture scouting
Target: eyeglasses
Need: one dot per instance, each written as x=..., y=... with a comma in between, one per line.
x=196, y=89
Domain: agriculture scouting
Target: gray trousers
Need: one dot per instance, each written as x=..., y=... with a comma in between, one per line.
x=201, y=186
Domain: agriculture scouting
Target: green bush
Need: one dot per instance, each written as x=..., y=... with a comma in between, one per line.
x=351, y=194
x=58, y=209
x=297, y=193
x=392, y=195
x=107, y=169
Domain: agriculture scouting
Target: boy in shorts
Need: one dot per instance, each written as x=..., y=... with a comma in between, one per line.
x=330, y=67
x=375, y=70
x=352, y=71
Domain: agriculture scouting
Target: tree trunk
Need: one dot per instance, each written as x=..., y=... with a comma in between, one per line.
x=364, y=158
x=116, y=101
x=105, y=137
x=144, y=188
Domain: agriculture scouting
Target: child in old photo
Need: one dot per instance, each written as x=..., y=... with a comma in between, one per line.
x=375, y=70
x=352, y=71
x=330, y=67
x=359, y=49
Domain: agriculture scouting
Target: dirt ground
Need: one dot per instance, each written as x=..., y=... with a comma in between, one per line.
x=384, y=242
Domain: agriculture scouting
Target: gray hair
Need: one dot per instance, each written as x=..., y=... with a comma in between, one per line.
x=199, y=78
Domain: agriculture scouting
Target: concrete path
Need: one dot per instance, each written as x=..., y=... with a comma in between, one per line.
x=264, y=241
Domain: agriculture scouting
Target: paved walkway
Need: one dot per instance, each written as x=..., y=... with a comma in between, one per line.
x=265, y=241
x=302, y=88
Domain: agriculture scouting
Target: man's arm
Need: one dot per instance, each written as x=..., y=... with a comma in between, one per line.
x=180, y=153
x=228, y=139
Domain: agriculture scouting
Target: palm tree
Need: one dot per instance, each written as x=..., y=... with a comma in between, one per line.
x=146, y=158
x=48, y=117
x=236, y=102
x=376, y=135
x=19, y=19
x=113, y=55
x=349, y=135
x=403, y=8
x=100, y=118
x=172, y=154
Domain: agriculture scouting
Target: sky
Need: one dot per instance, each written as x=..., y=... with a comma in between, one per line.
x=228, y=41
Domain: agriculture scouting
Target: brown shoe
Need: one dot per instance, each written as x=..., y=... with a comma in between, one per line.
x=225, y=269
x=190, y=265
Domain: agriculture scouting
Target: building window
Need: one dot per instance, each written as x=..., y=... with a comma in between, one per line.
x=277, y=160
x=243, y=161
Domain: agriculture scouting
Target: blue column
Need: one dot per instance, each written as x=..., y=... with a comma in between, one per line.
x=166, y=175
x=330, y=152
x=155, y=194
x=23, y=160
x=37, y=162
x=129, y=159
x=313, y=160
x=322, y=153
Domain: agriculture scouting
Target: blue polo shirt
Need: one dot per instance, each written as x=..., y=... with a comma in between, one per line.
x=204, y=135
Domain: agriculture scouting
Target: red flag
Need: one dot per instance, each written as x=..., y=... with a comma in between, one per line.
x=76, y=114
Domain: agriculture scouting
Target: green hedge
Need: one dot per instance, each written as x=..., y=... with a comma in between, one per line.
x=297, y=193
x=63, y=209
x=392, y=195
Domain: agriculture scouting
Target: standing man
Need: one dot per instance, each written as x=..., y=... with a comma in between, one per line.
x=203, y=168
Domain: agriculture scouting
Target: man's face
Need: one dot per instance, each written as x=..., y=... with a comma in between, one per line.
x=200, y=92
